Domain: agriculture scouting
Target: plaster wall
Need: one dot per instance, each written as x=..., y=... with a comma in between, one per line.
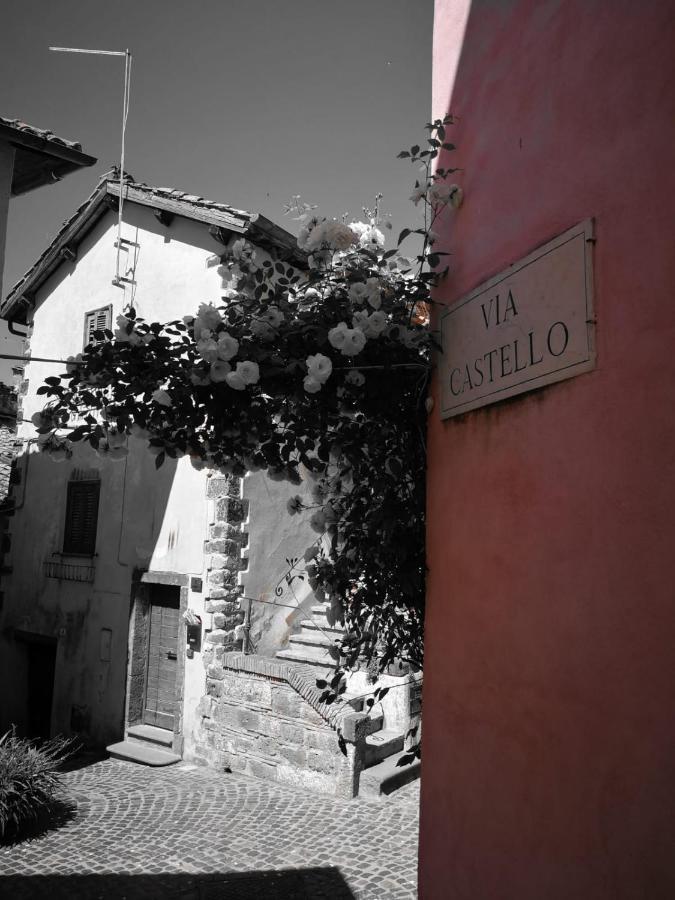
x=548, y=766
x=6, y=170
x=149, y=520
x=278, y=537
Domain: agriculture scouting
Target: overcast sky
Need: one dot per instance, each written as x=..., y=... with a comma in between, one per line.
x=242, y=101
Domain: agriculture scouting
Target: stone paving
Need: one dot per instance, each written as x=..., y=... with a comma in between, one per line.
x=138, y=832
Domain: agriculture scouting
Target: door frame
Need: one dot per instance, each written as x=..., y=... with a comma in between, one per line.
x=138, y=650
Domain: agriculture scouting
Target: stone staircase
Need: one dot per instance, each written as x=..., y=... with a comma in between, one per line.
x=147, y=745
x=310, y=649
x=311, y=645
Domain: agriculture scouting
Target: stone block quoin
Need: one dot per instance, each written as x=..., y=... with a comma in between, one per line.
x=225, y=560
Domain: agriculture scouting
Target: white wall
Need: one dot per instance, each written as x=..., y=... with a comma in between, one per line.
x=6, y=171
x=148, y=519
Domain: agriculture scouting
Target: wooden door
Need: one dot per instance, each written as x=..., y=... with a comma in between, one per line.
x=160, y=683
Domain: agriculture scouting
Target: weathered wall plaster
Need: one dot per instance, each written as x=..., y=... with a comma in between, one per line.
x=548, y=766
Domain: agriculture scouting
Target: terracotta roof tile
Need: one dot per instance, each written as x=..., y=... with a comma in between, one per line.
x=42, y=133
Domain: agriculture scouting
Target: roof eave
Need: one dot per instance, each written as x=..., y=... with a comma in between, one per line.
x=93, y=209
x=58, y=159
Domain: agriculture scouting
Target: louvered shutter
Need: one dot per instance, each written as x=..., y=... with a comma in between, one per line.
x=81, y=518
x=96, y=320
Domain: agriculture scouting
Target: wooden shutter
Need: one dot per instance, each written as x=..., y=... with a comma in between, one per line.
x=96, y=320
x=81, y=518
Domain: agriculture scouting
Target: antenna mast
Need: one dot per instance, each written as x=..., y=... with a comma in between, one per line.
x=118, y=279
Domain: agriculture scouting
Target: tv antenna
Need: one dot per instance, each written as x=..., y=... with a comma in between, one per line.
x=125, y=112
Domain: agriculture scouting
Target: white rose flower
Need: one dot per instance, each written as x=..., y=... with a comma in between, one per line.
x=227, y=346
x=355, y=341
x=207, y=349
x=419, y=191
x=311, y=385
x=208, y=318
x=162, y=397
x=219, y=370
x=337, y=235
x=249, y=371
x=308, y=227
x=273, y=316
x=358, y=292
x=319, y=367
x=440, y=193
x=336, y=336
x=377, y=322
x=372, y=239
x=235, y=381
x=355, y=377
x=359, y=229
x=374, y=295
x=360, y=321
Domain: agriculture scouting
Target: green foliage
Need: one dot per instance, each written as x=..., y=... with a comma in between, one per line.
x=29, y=780
x=317, y=376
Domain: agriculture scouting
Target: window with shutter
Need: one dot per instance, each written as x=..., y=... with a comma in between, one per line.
x=96, y=320
x=81, y=518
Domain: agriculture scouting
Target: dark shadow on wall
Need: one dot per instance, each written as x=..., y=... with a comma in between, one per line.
x=285, y=884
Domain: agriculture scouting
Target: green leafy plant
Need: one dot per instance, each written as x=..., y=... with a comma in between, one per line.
x=317, y=375
x=29, y=780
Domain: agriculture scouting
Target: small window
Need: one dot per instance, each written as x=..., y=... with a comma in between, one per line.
x=96, y=320
x=81, y=518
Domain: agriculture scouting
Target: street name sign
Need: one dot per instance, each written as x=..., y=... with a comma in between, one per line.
x=527, y=327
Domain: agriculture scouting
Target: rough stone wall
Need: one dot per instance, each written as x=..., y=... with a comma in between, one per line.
x=9, y=447
x=225, y=553
x=259, y=725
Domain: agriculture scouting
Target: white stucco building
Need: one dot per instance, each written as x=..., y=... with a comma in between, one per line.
x=104, y=552
x=111, y=559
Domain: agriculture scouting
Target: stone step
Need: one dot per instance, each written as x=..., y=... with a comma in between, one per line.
x=382, y=744
x=311, y=639
x=150, y=733
x=386, y=777
x=330, y=630
x=145, y=754
x=323, y=664
x=309, y=652
x=318, y=615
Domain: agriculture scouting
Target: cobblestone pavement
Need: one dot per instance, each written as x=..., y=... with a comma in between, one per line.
x=179, y=832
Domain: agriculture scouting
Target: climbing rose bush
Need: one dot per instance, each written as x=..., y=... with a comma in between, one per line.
x=314, y=373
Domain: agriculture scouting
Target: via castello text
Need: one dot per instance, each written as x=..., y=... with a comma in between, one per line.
x=512, y=357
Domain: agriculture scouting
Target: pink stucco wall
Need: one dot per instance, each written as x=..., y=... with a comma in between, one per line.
x=549, y=741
